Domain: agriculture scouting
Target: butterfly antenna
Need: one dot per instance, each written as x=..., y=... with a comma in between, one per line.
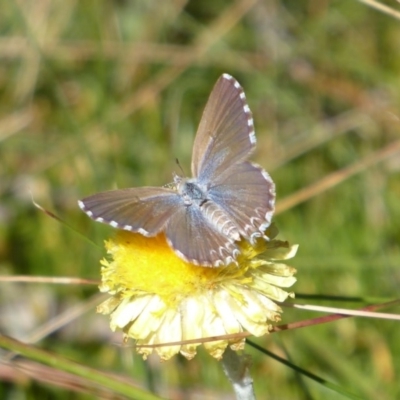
x=180, y=167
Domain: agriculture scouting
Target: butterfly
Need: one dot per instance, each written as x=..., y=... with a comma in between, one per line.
x=228, y=198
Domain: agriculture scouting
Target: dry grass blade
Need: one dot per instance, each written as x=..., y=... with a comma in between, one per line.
x=382, y=7
x=15, y=123
x=59, y=321
x=58, y=280
x=337, y=177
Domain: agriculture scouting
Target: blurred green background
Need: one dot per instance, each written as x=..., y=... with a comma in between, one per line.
x=97, y=95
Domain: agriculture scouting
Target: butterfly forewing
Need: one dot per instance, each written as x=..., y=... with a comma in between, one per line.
x=226, y=132
x=145, y=210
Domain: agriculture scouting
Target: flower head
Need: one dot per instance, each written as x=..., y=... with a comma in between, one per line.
x=158, y=298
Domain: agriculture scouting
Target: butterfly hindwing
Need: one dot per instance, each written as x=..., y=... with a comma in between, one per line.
x=247, y=195
x=192, y=236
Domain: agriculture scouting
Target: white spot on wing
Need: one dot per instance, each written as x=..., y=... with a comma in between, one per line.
x=236, y=84
x=100, y=219
x=88, y=213
x=266, y=175
x=246, y=108
x=264, y=226
x=248, y=228
x=181, y=255
x=252, y=137
x=127, y=227
x=222, y=250
x=81, y=204
x=236, y=253
x=114, y=224
x=143, y=232
x=228, y=260
x=177, y=252
x=227, y=76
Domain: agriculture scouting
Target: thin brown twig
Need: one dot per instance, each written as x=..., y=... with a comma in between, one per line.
x=300, y=324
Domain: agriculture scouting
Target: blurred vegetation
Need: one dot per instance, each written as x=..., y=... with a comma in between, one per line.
x=97, y=95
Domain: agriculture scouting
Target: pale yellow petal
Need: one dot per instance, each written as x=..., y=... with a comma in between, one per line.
x=170, y=331
x=149, y=320
x=129, y=310
x=192, y=309
x=213, y=326
x=221, y=303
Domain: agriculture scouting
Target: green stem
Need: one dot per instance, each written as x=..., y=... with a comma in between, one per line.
x=236, y=368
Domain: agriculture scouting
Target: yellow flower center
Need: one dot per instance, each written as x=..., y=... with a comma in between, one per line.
x=149, y=265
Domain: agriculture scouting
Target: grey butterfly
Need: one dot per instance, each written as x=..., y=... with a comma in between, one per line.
x=227, y=199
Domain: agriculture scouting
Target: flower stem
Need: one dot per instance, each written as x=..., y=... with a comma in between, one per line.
x=236, y=368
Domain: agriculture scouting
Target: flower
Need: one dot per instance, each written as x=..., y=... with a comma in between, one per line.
x=157, y=298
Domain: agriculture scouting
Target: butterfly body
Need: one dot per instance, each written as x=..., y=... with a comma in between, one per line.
x=191, y=191
x=227, y=198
